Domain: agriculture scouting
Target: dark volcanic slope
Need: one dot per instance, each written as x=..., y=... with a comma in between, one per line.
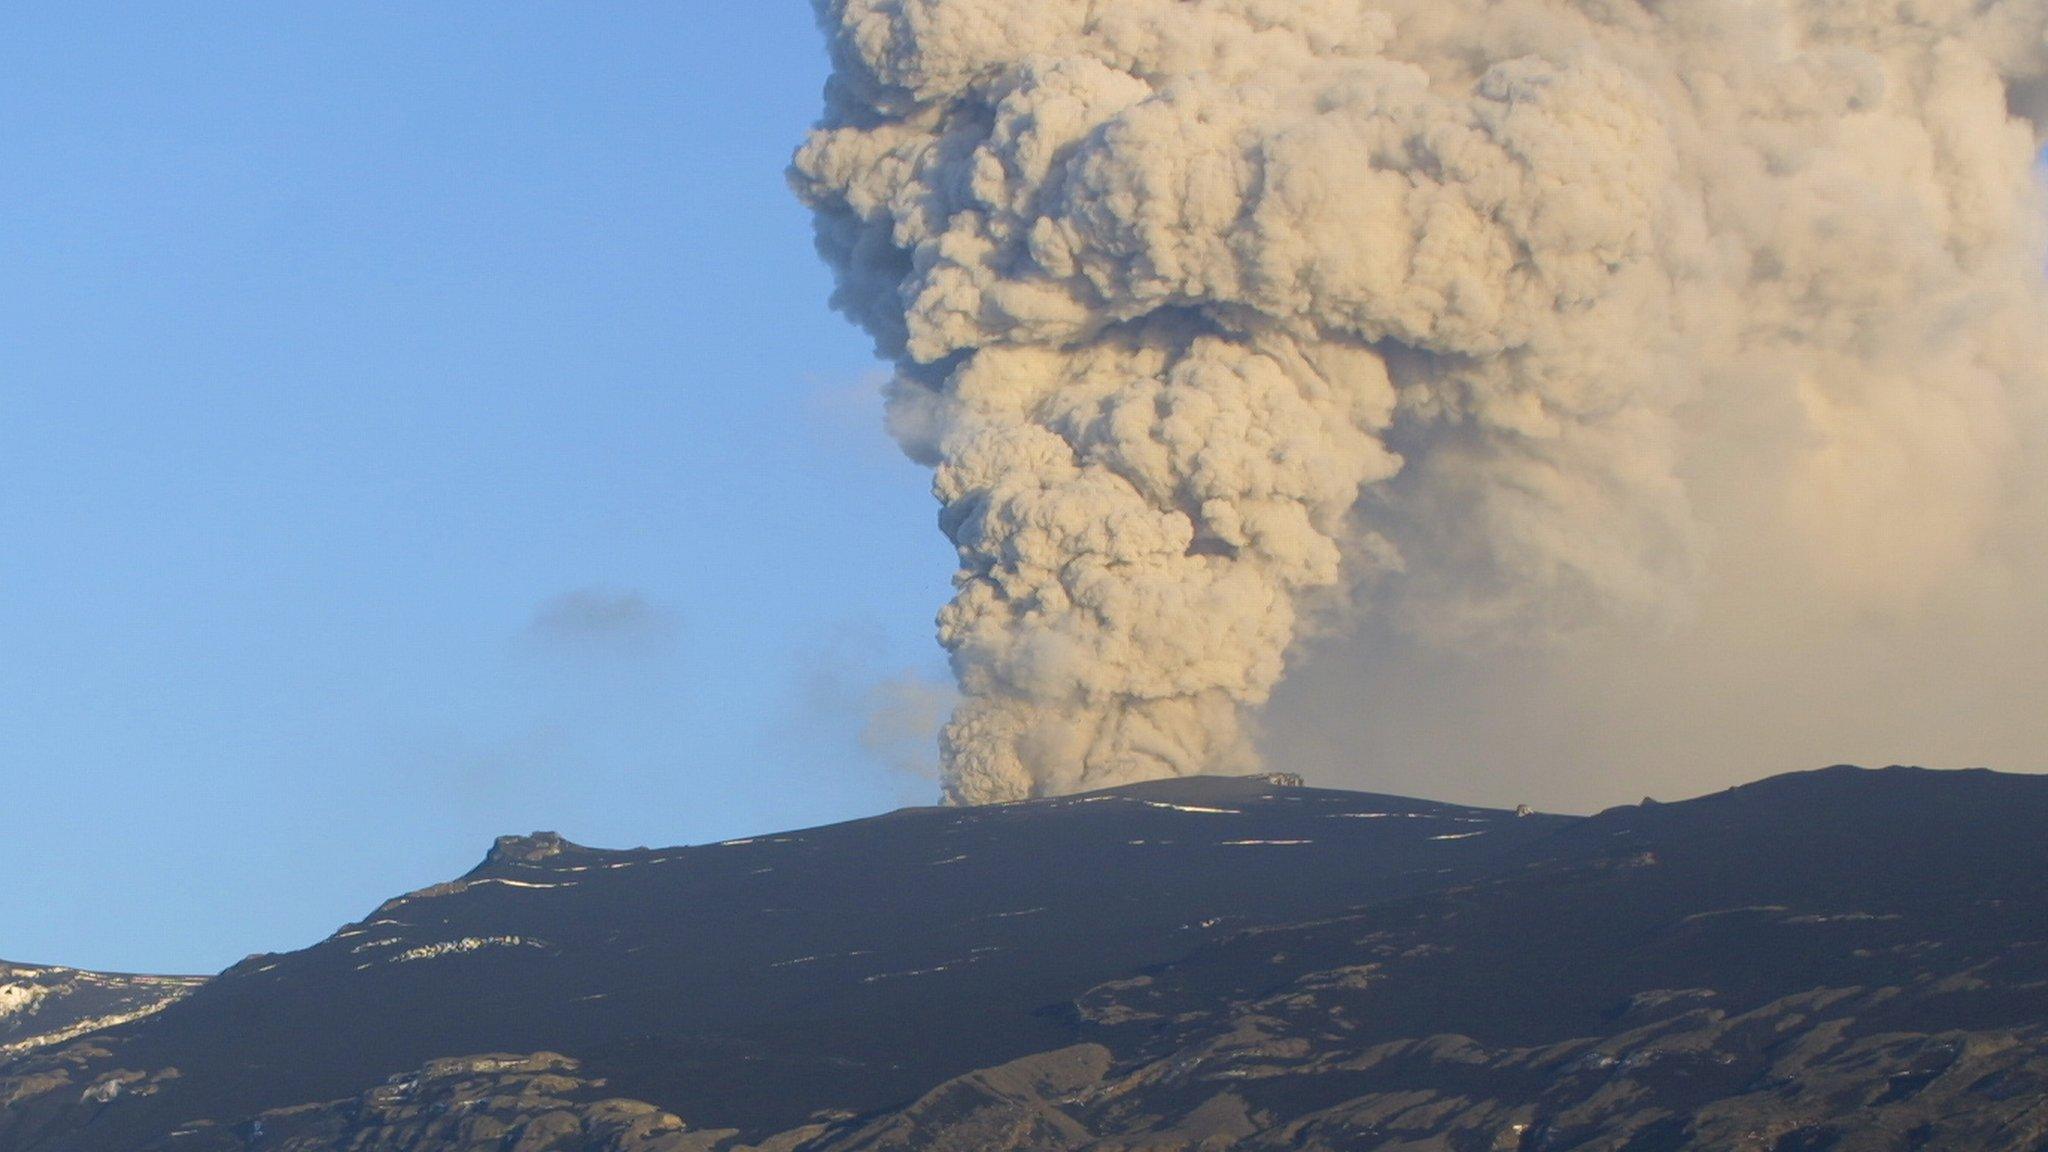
x=755, y=982
x=40, y=1006
x=1836, y=959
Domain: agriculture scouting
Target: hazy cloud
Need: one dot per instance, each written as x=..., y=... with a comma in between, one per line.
x=602, y=624
x=902, y=717
x=852, y=702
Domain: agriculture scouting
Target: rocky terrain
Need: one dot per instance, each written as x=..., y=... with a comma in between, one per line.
x=42, y=1006
x=1834, y=960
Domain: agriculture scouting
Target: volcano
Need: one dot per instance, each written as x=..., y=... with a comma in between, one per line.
x=1836, y=959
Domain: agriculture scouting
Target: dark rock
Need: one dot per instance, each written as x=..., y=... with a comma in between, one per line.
x=1841, y=960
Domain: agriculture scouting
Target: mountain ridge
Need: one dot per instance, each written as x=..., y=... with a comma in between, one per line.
x=816, y=987
x=42, y=1004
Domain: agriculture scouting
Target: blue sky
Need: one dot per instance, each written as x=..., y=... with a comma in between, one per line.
x=420, y=423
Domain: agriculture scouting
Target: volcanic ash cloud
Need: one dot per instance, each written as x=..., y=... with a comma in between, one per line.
x=1210, y=313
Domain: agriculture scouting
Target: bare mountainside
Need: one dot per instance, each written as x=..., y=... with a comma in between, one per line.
x=1833, y=960
x=41, y=1006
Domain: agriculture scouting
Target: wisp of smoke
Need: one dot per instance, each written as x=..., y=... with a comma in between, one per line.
x=1485, y=319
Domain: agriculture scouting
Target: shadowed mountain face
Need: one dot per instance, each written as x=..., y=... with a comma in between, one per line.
x=1836, y=959
x=44, y=1006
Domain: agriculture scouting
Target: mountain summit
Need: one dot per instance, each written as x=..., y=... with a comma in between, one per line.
x=1844, y=958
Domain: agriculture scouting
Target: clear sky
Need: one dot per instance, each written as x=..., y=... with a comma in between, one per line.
x=420, y=423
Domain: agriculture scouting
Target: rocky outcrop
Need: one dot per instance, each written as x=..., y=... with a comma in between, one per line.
x=530, y=849
x=539, y=1102
x=1022, y=1105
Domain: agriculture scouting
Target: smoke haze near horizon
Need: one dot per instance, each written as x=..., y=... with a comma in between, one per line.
x=1577, y=397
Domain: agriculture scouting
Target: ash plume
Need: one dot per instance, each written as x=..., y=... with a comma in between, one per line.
x=1221, y=321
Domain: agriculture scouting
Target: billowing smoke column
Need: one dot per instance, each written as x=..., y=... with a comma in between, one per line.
x=1210, y=313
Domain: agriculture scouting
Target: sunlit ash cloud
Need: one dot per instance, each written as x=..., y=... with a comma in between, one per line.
x=1484, y=323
